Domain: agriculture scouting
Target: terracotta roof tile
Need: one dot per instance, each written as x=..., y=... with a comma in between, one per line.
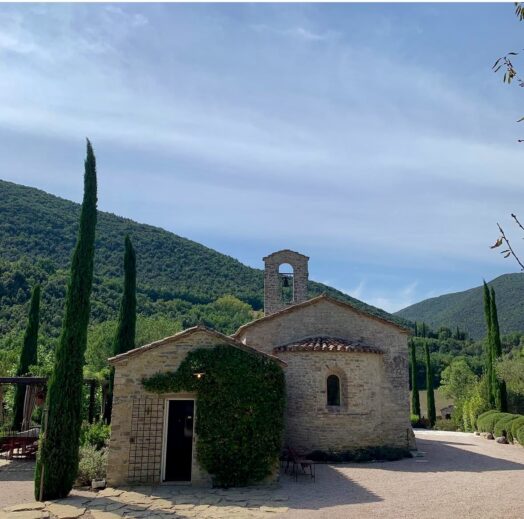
x=327, y=344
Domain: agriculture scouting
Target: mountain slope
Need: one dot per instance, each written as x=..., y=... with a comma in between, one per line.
x=37, y=235
x=465, y=309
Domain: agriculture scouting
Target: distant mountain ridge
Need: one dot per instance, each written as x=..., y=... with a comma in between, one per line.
x=37, y=235
x=465, y=309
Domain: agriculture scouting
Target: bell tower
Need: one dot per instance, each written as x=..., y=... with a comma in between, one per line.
x=285, y=280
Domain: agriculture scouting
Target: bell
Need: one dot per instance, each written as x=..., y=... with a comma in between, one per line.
x=285, y=282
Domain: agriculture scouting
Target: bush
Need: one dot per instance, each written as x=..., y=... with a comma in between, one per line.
x=486, y=421
x=418, y=422
x=477, y=405
x=520, y=435
x=240, y=411
x=503, y=425
x=360, y=455
x=92, y=465
x=445, y=425
x=96, y=434
x=515, y=426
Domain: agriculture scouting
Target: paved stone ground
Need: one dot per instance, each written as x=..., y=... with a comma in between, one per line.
x=459, y=475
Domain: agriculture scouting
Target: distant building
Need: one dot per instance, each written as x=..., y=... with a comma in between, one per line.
x=346, y=381
x=447, y=411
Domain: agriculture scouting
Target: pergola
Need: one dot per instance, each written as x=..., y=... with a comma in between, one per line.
x=42, y=381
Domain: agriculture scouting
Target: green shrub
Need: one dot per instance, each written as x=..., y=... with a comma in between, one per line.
x=445, y=425
x=477, y=404
x=515, y=426
x=360, y=455
x=486, y=421
x=419, y=422
x=503, y=425
x=96, y=434
x=520, y=435
x=466, y=416
x=240, y=411
x=92, y=465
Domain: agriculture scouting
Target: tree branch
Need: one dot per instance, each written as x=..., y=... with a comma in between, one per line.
x=512, y=252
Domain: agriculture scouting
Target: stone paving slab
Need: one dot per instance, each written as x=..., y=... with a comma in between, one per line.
x=156, y=503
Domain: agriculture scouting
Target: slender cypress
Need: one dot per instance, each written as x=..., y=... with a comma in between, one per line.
x=28, y=357
x=498, y=387
x=125, y=334
x=432, y=415
x=415, y=399
x=57, y=463
x=489, y=346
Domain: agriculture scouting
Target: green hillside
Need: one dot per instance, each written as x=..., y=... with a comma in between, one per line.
x=465, y=309
x=177, y=277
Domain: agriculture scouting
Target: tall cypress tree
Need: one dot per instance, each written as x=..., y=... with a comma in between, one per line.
x=432, y=415
x=57, y=462
x=489, y=346
x=498, y=387
x=415, y=399
x=28, y=356
x=125, y=333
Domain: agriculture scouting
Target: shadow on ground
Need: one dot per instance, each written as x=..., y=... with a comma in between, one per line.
x=335, y=485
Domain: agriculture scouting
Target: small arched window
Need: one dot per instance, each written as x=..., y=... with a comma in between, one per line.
x=333, y=390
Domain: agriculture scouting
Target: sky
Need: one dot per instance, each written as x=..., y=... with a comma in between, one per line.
x=374, y=138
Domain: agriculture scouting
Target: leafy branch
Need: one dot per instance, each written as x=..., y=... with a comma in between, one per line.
x=502, y=239
x=506, y=63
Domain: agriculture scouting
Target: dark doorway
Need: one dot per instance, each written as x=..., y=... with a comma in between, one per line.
x=179, y=442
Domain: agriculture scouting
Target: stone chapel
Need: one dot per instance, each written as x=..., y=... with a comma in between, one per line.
x=346, y=381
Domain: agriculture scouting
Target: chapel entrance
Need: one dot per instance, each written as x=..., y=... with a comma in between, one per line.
x=179, y=441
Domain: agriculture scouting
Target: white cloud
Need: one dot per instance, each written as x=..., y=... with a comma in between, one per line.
x=390, y=301
x=347, y=148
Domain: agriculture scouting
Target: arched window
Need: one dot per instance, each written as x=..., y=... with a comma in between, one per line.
x=333, y=390
x=287, y=282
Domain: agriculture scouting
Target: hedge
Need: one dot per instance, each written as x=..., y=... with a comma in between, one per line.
x=360, y=455
x=486, y=421
x=496, y=423
x=515, y=426
x=503, y=425
x=520, y=435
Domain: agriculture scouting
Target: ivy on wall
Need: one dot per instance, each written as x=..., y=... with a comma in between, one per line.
x=240, y=411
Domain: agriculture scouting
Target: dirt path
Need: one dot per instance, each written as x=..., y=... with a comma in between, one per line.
x=459, y=475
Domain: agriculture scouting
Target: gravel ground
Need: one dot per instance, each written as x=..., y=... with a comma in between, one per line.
x=16, y=482
x=459, y=475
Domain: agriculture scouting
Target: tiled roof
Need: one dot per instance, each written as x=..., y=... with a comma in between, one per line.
x=328, y=344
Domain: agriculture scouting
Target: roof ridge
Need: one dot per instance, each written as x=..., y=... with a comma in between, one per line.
x=316, y=299
x=233, y=341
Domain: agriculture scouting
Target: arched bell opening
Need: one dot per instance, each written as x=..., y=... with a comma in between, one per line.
x=286, y=276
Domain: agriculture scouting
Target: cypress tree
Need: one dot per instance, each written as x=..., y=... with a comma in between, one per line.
x=415, y=399
x=125, y=334
x=498, y=387
x=57, y=462
x=489, y=346
x=424, y=329
x=28, y=357
x=432, y=415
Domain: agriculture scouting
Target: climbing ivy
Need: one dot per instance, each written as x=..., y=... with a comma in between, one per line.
x=240, y=411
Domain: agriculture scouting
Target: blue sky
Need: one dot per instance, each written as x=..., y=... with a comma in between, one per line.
x=373, y=138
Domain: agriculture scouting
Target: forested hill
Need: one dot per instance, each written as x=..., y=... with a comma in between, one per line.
x=175, y=275
x=465, y=309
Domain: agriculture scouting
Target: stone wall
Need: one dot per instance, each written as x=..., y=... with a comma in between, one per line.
x=272, y=282
x=312, y=424
x=135, y=453
x=389, y=408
